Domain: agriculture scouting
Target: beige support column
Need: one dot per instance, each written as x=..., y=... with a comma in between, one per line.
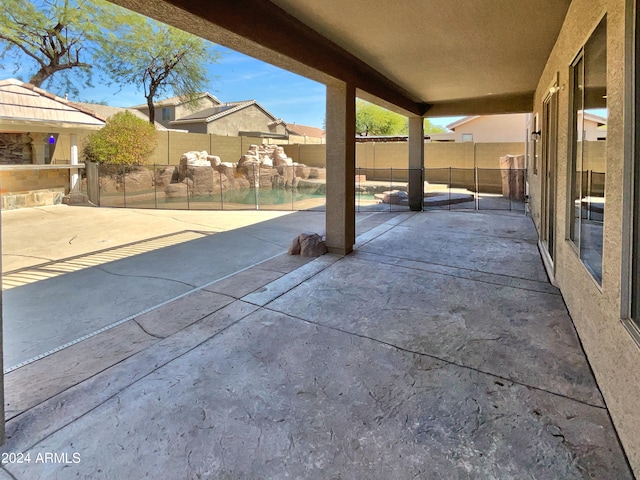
x=341, y=168
x=416, y=163
x=74, y=178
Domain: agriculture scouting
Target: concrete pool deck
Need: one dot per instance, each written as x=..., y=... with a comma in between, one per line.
x=437, y=350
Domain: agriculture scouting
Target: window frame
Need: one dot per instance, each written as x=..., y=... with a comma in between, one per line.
x=575, y=229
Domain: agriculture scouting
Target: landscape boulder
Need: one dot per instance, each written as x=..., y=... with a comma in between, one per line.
x=308, y=245
x=393, y=197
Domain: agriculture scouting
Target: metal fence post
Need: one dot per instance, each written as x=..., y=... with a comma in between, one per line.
x=390, y=187
x=155, y=186
x=255, y=188
x=221, y=192
x=124, y=185
x=188, y=192
x=449, y=191
x=510, y=188
x=476, y=187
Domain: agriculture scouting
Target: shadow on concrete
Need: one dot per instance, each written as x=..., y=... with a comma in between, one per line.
x=437, y=350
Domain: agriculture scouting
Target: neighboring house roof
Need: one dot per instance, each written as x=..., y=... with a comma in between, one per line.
x=107, y=111
x=595, y=118
x=25, y=105
x=209, y=115
x=462, y=121
x=179, y=100
x=278, y=121
x=304, y=130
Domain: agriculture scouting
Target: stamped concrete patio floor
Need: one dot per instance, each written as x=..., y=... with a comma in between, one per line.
x=437, y=350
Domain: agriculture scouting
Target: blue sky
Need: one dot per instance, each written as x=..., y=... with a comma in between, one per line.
x=235, y=77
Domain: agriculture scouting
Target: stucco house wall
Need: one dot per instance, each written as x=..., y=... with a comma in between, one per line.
x=184, y=109
x=493, y=128
x=248, y=119
x=597, y=310
x=178, y=109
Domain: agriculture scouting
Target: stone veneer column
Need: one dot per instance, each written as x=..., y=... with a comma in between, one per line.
x=38, y=146
x=341, y=168
x=416, y=163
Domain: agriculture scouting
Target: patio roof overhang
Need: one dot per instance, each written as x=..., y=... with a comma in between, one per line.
x=415, y=56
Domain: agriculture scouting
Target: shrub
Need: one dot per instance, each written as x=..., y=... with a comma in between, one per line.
x=124, y=140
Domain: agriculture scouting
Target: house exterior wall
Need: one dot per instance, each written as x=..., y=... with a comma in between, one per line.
x=304, y=139
x=597, y=310
x=249, y=119
x=279, y=129
x=182, y=110
x=591, y=131
x=179, y=111
x=494, y=128
x=197, y=127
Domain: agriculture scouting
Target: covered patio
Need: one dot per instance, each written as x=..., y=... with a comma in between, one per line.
x=438, y=349
x=425, y=345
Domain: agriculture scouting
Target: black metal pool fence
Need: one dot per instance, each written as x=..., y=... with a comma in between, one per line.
x=298, y=187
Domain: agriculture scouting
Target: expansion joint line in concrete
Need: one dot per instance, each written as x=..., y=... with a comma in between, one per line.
x=157, y=367
x=135, y=320
x=477, y=234
x=390, y=226
x=557, y=294
x=459, y=268
x=159, y=338
x=306, y=279
x=9, y=473
x=151, y=277
x=131, y=317
x=44, y=211
x=439, y=359
x=26, y=256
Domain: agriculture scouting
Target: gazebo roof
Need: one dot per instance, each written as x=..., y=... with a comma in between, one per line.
x=23, y=106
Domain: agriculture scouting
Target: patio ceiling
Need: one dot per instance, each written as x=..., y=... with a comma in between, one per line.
x=421, y=56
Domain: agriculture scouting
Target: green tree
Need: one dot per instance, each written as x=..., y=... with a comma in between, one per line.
x=54, y=35
x=431, y=128
x=161, y=59
x=374, y=120
x=124, y=140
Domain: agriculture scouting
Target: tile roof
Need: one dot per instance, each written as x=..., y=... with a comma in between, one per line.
x=24, y=104
x=211, y=114
x=304, y=130
x=177, y=101
x=107, y=111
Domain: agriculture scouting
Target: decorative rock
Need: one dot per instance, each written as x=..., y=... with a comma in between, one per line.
x=108, y=185
x=203, y=180
x=176, y=190
x=308, y=245
x=140, y=179
x=393, y=197
x=166, y=175
x=280, y=158
x=195, y=159
x=75, y=198
x=302, y=171
x=317, y=174
x=214, y=160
